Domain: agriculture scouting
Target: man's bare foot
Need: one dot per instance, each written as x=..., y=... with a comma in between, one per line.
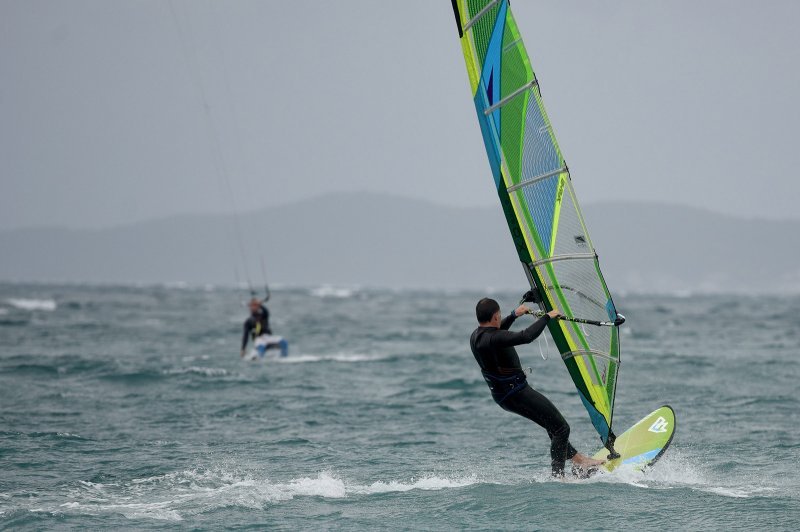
x=584, y=461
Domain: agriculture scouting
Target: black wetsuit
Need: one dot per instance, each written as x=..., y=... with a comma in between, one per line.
x=494, y=350
x=256, y=325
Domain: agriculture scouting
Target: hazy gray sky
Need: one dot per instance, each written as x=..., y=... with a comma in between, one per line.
x=102, y=116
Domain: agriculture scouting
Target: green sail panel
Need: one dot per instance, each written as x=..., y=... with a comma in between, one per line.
x=536, y=193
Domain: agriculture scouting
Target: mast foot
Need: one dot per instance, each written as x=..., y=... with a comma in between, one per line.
x=612, y=453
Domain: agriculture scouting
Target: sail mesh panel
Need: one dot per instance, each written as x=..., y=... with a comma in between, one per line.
x=571, y=238
x=482, y=30
x=541, y=198
x=584, y=298
x=540, y=153
x=540, y=157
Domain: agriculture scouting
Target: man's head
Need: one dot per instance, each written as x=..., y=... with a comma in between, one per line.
x=488, y=312
x=255, y=306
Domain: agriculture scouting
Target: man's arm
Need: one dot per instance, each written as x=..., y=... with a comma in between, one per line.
x=267, y=328
x=504, y=338
x=248, y=326
x=508, y=321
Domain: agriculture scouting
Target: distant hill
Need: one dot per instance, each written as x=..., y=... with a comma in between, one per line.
x=667, y=248
x=377, y=240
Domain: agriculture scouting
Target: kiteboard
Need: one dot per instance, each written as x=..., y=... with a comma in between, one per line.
x=268, y=346
x=643, y=444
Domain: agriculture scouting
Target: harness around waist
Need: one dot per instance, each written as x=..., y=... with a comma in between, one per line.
x=504, y=386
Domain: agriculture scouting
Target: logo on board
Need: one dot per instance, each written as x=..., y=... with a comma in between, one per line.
x=660, y=425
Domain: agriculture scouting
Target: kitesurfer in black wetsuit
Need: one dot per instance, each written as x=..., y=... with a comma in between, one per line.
x=493, y=347
x=256, y=324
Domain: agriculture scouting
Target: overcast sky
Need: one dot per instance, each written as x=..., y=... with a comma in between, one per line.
x=117, y=111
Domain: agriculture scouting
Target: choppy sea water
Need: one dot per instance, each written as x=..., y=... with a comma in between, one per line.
x=129, y=407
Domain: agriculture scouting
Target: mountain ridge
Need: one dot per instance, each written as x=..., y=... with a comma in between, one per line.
x=372, y=239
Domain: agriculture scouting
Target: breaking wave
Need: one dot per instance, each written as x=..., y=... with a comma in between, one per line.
x=175, y=496
x=32, y=304
x=332, y=292
x=336, y=357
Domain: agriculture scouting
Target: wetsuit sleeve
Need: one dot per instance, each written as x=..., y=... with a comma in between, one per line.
x=266, y=320
x=508, y=321
x=248, y=326
x=503, y=338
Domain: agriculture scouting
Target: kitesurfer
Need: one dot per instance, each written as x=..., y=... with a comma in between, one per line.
x=493, y=347
x=256, y=326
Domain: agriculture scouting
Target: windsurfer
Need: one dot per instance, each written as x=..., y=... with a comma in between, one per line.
x=493, y=347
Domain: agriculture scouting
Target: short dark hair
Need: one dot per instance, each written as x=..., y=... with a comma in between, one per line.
x=485, y=309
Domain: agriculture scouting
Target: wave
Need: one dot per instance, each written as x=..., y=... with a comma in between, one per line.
x=674, y=471
x=327, y=485
x=336, y=357
x=179, y=495
x=157, y=374
x=198, y=370
x=32, y=304
x=32, y=369
x=47, y=435
x=456, y=384
x=158, y=511
x=430, y=483
x=332, y=292
x=175, y=496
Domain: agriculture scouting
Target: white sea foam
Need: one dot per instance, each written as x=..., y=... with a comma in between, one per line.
x=332, y=291
x=192, y=358
x=179, y=495
x=32, y=304
x=673, y=471
x=737, y=493
x=336, y=357
x=430, y=483
x=198, y=370
x=328, y=485
x=68, y=435
x=174, y=496
x=159, y=510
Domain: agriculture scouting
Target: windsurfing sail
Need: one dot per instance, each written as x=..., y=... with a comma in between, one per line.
x=536, y=193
